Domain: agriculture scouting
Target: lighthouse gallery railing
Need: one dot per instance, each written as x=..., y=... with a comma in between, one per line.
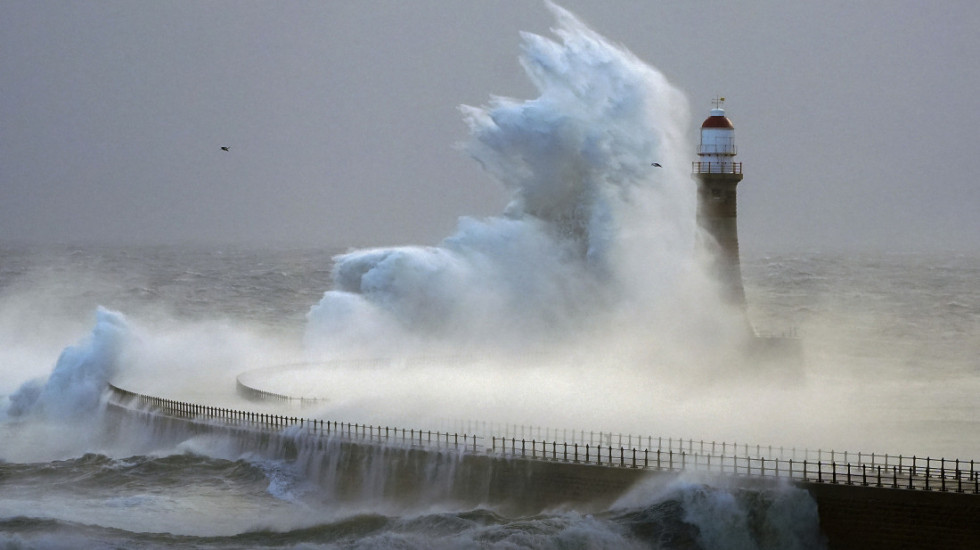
x=716, y=167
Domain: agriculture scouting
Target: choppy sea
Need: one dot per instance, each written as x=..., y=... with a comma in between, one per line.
x=903, y=330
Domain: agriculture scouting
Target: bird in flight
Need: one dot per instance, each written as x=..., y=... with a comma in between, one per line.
x=657, y=164
x=226, y=148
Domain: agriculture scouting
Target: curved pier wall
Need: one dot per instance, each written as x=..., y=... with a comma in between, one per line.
x=870, y=518
x=852, y=516
x=398, y=474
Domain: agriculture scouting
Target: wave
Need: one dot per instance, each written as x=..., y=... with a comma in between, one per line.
x=687, y=516
x=79, y=378
x=593, y=242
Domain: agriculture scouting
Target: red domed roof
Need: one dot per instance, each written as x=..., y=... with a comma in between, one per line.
x=718, y=121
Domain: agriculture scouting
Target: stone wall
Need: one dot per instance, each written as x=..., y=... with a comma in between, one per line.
x=869, y=518
x=851, y=516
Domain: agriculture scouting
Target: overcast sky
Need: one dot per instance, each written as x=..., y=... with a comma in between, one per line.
x=856, y=121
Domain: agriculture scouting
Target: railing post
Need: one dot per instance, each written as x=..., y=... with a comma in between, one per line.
x=912, y=472
x=927, y=473
x=959, y=481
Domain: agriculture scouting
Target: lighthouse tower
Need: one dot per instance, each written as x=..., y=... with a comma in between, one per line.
x=717, y=174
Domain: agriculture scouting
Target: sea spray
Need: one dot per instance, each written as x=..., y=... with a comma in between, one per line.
x=79, y=378
x=752, y=518
x=596, y=244
x=697, y=510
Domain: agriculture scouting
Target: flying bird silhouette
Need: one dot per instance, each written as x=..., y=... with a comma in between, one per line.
x=226, y=148
x=657, y=164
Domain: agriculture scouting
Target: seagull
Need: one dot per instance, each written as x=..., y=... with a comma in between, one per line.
x=657, y=164
x=226, y=148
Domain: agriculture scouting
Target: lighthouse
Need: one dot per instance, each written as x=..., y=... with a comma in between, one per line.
x=717, y=174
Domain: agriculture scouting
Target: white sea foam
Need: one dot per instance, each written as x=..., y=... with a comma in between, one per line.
x=80, y=376
x=596, y=245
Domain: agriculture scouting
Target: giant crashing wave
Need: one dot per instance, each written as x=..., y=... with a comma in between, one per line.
x=595, y=245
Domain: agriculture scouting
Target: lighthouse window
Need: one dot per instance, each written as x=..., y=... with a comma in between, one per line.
x=716, y=193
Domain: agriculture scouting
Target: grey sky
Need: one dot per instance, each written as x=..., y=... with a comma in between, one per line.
x=855, y=121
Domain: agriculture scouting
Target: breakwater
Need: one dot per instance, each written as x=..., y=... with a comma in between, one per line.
x=864, y=500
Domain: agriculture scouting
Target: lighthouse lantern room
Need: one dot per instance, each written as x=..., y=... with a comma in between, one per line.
x=717, y=149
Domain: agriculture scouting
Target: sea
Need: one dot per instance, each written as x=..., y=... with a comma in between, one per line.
x=583, y=307
x=905, y=328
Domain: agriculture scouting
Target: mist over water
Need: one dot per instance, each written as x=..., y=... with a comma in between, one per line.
x=582, y=306
x=595, y=250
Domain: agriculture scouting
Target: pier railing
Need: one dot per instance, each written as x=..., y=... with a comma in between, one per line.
x=606, y=449
x=897, y=472
x=252, y=420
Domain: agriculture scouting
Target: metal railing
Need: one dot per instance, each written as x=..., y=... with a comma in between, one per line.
x=253, y=394
x=606, y=449
x=382, y=435
x=698, y=167
x=898, y=472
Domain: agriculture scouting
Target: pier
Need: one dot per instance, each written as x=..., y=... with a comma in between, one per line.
x=865, y=500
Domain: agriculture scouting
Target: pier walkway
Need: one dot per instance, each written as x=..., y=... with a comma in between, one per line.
x=912, y=473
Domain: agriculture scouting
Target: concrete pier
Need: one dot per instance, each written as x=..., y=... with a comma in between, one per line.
x=914, y=503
